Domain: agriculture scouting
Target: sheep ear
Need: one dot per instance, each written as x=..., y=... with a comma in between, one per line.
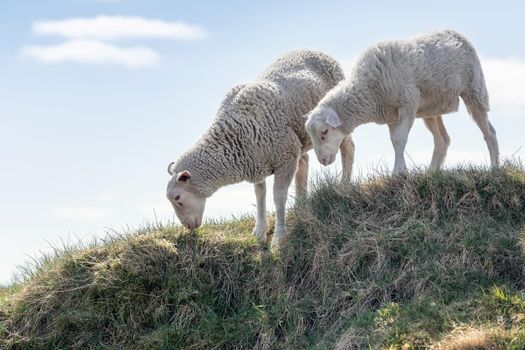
x=184, y=176
x=171, y=168
x=333, y=120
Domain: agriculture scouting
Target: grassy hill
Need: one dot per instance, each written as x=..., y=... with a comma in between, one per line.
x=427, y=260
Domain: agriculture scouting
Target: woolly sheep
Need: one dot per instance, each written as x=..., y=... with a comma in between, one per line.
x=258, y=131
x=394, y=82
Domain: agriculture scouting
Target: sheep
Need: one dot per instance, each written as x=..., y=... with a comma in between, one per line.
x=395, y=81
x=258, y=131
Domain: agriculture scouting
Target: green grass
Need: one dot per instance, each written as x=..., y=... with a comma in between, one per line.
x=413, y=262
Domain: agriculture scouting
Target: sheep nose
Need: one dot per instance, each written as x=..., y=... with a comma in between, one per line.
x=324, y=161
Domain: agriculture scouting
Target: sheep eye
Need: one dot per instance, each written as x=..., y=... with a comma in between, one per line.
x=323, y=134
x=177, y=198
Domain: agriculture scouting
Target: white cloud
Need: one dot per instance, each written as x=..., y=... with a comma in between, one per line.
x=110, y=28
x=506, y=84
x=105, y=197
x=80, y=213
x=89, y=39
x=93, y=51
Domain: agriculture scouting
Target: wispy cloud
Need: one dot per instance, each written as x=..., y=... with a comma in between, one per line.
x=80, y=213
x=110, y=28
x=506, y=84
x=91, y=40
x=105, y=197
x=94, y=52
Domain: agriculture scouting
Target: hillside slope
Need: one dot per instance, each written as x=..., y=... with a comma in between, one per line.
x=427, y=260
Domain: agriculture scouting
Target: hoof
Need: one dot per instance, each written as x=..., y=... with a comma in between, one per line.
x=277, y=240
x=260, y=233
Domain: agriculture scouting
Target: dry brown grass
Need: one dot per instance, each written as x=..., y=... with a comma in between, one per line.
x=469, y=339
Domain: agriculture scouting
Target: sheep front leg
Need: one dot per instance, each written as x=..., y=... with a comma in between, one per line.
x=261, y=222
x=347, y=149
x=406, y=120
x=301, y=177
x=283, y=179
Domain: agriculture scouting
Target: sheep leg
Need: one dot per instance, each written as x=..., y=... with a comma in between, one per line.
x=347, y=158
x=441, y=141
x=489, y=134
x=406, y=120
x=283, y=179
x=301, y=177
x=261, y=222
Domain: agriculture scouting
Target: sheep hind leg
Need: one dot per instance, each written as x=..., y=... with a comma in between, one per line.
x=283, y=179
x=481, y=118
x=301, y=178
x=441, y=141
x=261, y=221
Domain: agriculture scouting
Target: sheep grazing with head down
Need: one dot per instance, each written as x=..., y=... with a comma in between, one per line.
x=394, y=82
x=258, y=131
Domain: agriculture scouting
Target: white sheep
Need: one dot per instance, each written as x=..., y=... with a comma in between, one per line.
x=394, y=82
x=259, y=131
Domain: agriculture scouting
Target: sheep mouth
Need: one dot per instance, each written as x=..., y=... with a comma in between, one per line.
x=326, y=160
x=192, y=224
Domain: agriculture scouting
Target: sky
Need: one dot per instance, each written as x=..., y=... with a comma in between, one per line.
x=97, y=97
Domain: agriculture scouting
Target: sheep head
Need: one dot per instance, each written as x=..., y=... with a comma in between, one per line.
x=324, y=128
x=188, y=206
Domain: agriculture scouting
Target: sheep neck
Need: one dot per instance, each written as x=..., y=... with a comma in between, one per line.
x=211, y=166
x=355, y=106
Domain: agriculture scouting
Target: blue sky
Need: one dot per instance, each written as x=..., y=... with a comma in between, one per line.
x=90, y=119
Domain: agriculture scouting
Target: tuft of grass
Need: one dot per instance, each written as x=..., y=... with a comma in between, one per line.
x=424, y=260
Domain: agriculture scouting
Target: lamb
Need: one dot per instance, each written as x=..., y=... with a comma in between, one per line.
x=258, y=131
x=394, y=82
